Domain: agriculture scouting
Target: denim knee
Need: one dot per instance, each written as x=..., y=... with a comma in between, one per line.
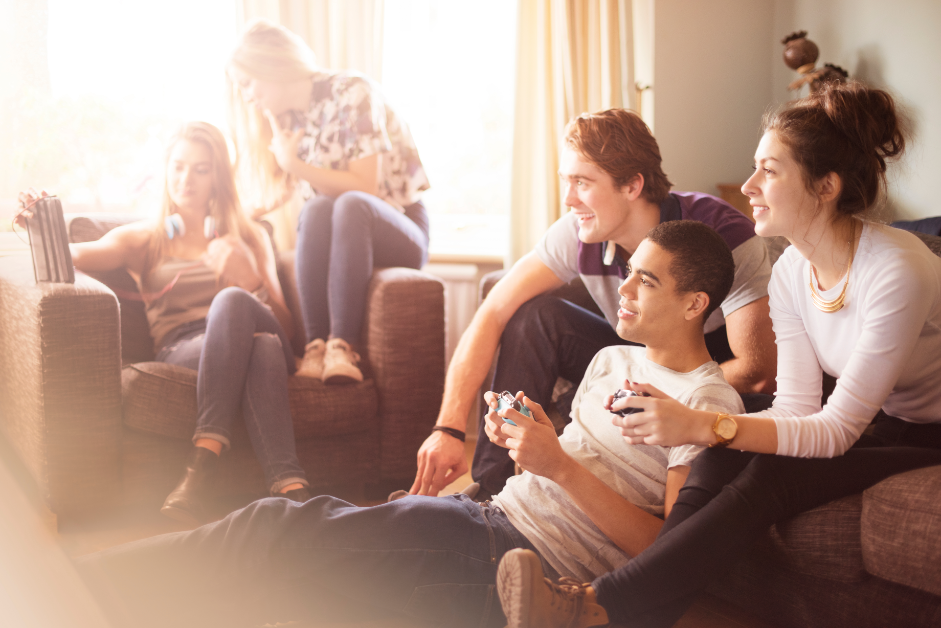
x=315, y=208
x=353, y=210
x=231, y=300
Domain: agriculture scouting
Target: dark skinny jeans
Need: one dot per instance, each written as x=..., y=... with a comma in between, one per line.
x=338, y=244
x=243, y=360
x=430, y=560
x=731, y=498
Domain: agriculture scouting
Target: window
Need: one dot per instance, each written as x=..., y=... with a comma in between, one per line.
x=449, y=70
x=121, y=77
x=93, y=122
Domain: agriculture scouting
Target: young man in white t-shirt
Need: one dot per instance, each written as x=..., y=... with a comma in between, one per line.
x=616, y=190
x=586, y=502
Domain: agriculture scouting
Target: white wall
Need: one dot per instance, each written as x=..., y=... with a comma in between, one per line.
x=711, y=85
x=717, y=68
x=891, y=45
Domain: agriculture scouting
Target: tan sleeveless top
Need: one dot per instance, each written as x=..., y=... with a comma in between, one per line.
x=187, y=301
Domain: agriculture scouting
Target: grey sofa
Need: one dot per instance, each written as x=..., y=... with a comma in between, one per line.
x=99, y=424
x=867, y=560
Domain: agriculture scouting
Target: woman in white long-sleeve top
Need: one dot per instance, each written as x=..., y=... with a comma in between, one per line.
x=852, y=298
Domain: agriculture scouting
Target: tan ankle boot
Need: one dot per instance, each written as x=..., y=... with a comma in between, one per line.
x=530, y=600
x=312, y=364
x=339, y=363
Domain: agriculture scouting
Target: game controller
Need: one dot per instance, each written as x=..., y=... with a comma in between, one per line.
x=506, y=400
x=623, y=394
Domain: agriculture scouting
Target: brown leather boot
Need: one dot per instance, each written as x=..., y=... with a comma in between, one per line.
x=530, y=600
x=187, y=502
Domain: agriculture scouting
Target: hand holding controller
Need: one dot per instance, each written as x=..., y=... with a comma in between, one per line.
x=623, y=394
x=506, y=400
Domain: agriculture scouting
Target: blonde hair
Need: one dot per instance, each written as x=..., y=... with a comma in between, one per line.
x=224, y=206
x=269, y=52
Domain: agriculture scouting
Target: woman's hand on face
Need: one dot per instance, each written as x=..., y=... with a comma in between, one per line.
x=284, y=143
x=233, y=263
x=664, y=421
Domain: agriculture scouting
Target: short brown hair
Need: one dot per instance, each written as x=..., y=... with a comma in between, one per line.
x=702, y=261
x=618, y=142
x=848, y=129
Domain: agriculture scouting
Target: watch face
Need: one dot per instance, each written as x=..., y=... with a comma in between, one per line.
x=727, y=428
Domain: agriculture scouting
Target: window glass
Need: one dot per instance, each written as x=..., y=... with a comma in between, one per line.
x=449, y=71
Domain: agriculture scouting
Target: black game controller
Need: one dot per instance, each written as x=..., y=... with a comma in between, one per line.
x=623, y=394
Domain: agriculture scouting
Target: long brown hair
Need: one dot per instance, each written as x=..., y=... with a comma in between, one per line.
x=224, y=204
x=848, y=129
x=269, y=52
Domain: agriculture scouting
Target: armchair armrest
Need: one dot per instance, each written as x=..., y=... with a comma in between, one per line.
x=60, y=384
x=405, y=345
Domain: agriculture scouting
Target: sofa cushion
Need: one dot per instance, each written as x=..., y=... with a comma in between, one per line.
x=901, y=529
x=160, y=399
x=822, y=542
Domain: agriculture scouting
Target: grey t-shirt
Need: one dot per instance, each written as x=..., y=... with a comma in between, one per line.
x=568, y=257
x=545, y=514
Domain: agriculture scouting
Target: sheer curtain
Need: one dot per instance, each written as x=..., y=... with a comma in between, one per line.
x=572, y=56
x=344, y=34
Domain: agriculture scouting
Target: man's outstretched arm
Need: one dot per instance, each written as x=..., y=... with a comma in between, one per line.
x=441, y=456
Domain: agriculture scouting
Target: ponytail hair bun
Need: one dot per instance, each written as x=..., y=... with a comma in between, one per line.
x=848, y=129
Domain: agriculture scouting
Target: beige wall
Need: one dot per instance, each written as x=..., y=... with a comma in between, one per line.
x=892, y=45
x=717, y=67
x=711, y=87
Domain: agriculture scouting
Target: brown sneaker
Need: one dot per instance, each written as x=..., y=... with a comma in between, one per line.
x=530, y=600
x=339, y=363
x=312, y=363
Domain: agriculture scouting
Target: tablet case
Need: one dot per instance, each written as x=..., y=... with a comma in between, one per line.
x=49, y=242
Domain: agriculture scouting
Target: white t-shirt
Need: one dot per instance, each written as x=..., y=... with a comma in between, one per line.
x=568, y=257
x=544, y=513
x=884, y=346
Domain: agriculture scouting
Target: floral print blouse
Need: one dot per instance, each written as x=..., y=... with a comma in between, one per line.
x=349, y=119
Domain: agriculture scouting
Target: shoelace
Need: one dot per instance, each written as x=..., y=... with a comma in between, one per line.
x=568, y=596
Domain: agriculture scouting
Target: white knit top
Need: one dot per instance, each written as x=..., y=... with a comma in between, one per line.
x=884, y=346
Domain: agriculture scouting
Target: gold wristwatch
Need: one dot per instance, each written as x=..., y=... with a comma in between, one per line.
x=725, y=429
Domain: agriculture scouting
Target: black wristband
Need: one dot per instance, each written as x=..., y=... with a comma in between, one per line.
x=458, y=434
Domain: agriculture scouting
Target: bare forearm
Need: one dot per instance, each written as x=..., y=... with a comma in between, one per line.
x=333, y=183
x=467, y=371
x=628, y=527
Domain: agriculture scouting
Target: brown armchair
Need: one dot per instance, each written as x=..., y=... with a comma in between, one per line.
x=97, y=422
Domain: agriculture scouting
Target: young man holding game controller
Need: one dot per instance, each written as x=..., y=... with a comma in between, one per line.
x=585, y=504
x=616, y=190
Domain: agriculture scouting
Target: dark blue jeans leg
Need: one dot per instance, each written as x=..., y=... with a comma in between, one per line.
x=427, y=559
x=339, y=243
x=729, y=499
x=546, y=338
x=314, y=230
x=243, y=361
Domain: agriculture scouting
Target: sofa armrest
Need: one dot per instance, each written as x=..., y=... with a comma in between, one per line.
x=60, y=384
x=404, y=338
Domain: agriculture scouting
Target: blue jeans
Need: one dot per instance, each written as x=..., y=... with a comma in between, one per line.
x=243, y=360
x=431, y=560
x=338, y=244
x=731, y=497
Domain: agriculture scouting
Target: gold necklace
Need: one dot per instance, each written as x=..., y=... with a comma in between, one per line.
x=829, y=307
